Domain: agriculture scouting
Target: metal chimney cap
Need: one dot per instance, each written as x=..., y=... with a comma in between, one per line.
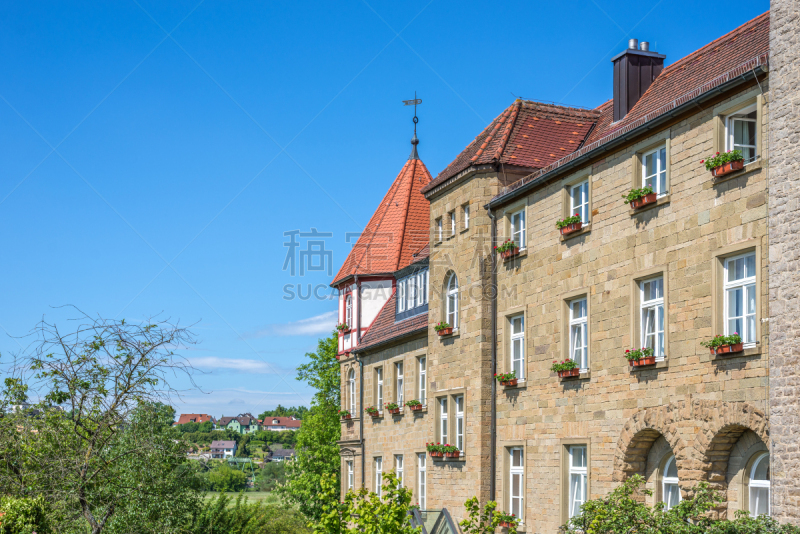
x=644, y=46
x=633, y=44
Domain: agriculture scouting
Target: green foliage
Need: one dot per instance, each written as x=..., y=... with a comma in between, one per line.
x=272, y=475
x=505, y=377
x=281, y=411
x=225, y=478
x=719, y=160
x=638, y=354
x=507, y=246
x=24, y=516
x=719, y=341
x=332, y=516
x=317, y=451
x=287, y=438
x=388, y=514
x=566, y=365
x=568, y=220
x=190, y=427
x=624, y=511
x=636, y=194
x=224, y=515
x=483, y=521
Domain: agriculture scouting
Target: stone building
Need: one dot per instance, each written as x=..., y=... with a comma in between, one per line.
x=695, y=261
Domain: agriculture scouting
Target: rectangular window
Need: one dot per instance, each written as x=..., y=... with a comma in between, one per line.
x=398, y=388
x=401, y=296
x=654, y=170
x=740, y=297
x=579, y=200
x=652, y=315
x=466, y=216
x=422, y=288
x=350, y=476
x=439, y=228
x=348, y=311
x=421, y=481
x=578, y=333
x=453, y=223
x=742, y=133
x=422, y=392
x=379, y=388
x=518, y=228
x=443, y=420
x=578, y=476
x=460, y=422
x=516, y=482
x=518, y=346
x=411, y=292
x=378, y=475
x=398, y=468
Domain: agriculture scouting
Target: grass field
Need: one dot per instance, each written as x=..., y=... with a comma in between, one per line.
x=253, y=496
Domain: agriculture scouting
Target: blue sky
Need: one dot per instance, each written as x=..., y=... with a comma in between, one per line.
x=152, y=154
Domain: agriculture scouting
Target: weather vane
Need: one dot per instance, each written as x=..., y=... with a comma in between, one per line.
x=414, y=102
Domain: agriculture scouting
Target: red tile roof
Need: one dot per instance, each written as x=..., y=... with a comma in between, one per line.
x=398, y=228
x=734, y=54
x=193, y=418
x=527, y=134
x=384, y=328
x=288, y=422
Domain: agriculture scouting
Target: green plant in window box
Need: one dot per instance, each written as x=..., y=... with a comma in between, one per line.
x=451, y=451
x=443, y=328
x=507, y=520
x=723, y=344
x=372, y=410
x=414, y=404
x=436, y=450
x=643, y=356
x=344, y=414
x=636, y=194
x=567, y=221
x=565, y=368
x=483, y=521
x=508, y=248
x=721, y=159
x=342, y=327
x=393, y=407
x=507, y=379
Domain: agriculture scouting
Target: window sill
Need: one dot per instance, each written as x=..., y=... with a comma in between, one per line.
x=661, y=201
x=461, y=458
x=464, y=230
x=750, y=167
x=583, y=376
x=454, y=333
x=747, y=352
x=521, y=254
x=583, y=231
x=521, y=384
x=424, y=409
x=637, y=369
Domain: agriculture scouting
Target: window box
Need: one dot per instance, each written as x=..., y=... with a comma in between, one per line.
x=571, y=373
x=414, y=405
x=644, y=201
x=508, y=254
x=455, y=454
x=728, y=349
x=507, y=524
x=445, y=331
x=648, y=360
x=395, y=411
x=393, y=408
x=436, y=454
x=728, y=168
x=574, y=227
x=509, y=383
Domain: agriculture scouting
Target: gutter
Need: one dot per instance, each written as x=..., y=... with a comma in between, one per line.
x=493, y=426
x=666, y=116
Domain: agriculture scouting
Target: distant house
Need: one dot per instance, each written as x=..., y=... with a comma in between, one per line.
x=280, y=455
x=280, y=423
x=244, y=423
x=223, y=449
x=194, y=418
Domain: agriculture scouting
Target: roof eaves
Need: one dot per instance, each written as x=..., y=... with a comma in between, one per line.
x=359, y=350
x=472, y=169
x=732, y=78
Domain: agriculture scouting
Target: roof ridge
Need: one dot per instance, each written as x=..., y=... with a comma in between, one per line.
x=405, y=218
x=508, y=127
x=497, y=122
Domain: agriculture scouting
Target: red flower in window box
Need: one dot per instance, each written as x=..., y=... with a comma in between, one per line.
x=443, y=328
x=508, y=249
x=725, y=163
x=567, y=368
x=415, y=405
x=725, y=344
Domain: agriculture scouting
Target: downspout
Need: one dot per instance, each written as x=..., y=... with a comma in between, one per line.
x=361, y=384
x=493, y=296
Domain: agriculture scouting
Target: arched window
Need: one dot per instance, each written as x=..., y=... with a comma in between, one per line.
x=452, y=301
x=670, y=492
x=759, y=486
x=351, y=378
x=348, y=311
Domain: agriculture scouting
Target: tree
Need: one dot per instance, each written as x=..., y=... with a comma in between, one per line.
x=272, y=475
x=223, y=515
x=109, y=461
x=282, y=411
x=483, y=521
x=23, y=516
x=317, y=452
x=225, y=478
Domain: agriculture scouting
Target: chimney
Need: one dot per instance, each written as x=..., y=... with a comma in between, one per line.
x=634, y=71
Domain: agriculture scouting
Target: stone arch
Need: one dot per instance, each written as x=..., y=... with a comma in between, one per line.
x=723, y=423
x=639, y=434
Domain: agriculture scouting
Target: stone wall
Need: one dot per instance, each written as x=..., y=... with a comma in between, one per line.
x=784, y=255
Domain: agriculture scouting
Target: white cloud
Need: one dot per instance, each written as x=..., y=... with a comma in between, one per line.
x=317, y=325
x=242, y=365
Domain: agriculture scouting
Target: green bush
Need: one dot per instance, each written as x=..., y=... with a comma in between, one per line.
x=23, y=516
x=224, y=515
x=225, y=478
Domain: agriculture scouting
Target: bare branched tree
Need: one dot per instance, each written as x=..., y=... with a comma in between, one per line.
x=97, y=445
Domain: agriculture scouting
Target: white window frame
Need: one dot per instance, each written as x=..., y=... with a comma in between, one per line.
x=378, y=475
x=579, y=324
x=348, y=310
x=658, y=305
x=422, y=366
x=411, y=292
x=352, y=390
x=398, y=468
x=519, y=229
x=759, y=484
x=351, y=480
x=667, y=482
x=398, y=383
x=379, y=389
x=439, y=227
x=452, y=223
x=660, y=154
x=459, y=403
x=730, y=130
x=401, y=296
x=517, y=357
x=744, y=284
x=466, y=216
x=584, y=204
x=452, y=301
x=583, y=473
x=516, y=470
x=421, y=481
x=422, y=287
x=443, y=420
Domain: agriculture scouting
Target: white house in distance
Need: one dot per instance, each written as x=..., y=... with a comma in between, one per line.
x=223, y=449
x=278, y=424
